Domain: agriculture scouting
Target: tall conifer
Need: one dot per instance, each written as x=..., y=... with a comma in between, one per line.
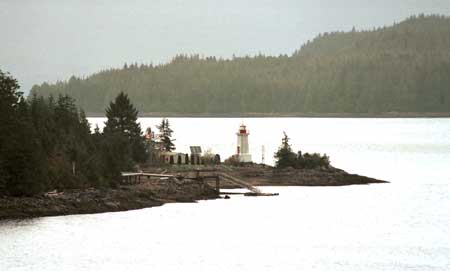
x=165, y=136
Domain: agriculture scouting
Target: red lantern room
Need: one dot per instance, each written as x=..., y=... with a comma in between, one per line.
x=243, y=130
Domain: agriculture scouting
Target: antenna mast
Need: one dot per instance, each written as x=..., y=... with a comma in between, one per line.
x=263, y=154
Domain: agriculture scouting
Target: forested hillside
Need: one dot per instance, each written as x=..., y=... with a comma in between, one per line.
x=401, y=68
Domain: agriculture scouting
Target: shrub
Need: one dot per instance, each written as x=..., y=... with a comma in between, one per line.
x=210, y=158
x=311, y=161
x=285, y=157
x=232, y=161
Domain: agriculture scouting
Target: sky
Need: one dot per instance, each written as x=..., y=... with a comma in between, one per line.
x=50, y=40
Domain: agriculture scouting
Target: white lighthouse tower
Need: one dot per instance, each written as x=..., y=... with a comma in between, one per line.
x=242, y=145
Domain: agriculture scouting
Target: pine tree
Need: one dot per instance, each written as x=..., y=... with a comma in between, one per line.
x=25, y=161
x=20, y=153
x=9, y=100
x=122, y=117
x=165, y=136
x=285, y=157
x=122, y=121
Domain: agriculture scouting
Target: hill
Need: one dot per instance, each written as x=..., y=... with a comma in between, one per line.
x=401, y=68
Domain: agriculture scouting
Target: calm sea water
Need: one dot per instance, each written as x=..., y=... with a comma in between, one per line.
x=404, y=225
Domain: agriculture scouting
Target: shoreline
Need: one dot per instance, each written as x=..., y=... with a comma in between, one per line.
x=159, y=192
x=285, y=115
x=259, y=175
x=93, y=201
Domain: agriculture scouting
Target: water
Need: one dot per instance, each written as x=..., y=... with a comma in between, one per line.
x=404, y=225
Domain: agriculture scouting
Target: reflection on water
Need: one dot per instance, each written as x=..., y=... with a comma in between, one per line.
x=399, y=226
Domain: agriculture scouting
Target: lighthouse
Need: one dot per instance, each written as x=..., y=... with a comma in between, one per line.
x=242, y=145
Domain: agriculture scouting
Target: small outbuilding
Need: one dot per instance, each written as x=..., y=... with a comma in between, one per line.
x=196, y=155
x=174, y=158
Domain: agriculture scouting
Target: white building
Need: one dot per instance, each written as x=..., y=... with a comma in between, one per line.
x=174, y=158
x=243, y=152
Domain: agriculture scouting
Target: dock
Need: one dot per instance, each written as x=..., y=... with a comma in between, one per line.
x=137, y=177
x=130, y=178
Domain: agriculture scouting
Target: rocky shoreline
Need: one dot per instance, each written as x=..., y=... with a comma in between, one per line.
x=158, y=192
x=263, y=175
x=268, y=176
x=89, y=201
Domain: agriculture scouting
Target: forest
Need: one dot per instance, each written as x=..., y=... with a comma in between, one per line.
x=46, y=143
x=401, y=68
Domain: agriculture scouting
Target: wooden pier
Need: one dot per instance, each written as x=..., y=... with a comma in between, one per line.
x=130, y=178
x=137, y=177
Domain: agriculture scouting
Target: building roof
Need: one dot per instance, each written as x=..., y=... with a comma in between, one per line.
x=196, y=149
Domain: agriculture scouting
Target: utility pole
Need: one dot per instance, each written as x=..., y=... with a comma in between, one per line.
x=263, y=154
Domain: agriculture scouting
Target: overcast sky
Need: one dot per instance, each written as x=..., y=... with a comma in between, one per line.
x=49, y=40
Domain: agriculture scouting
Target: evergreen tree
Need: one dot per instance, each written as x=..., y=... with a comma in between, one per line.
x=24, y=161
x=21, y=170
x=9, y=100
x=122, y=117
x=122, y=121
x=116, y=156
x=165, y=136
x=285, y=157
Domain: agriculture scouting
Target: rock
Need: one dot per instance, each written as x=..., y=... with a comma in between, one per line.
x=112, y=205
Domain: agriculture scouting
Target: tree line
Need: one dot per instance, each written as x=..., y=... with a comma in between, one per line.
x=46, y=143
x=401, y=68
x=285, y=157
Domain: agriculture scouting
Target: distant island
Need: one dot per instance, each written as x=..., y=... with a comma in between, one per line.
x=389, y=71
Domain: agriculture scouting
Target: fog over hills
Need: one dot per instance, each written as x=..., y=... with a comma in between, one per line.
x=401, y=68
x=51, y=40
